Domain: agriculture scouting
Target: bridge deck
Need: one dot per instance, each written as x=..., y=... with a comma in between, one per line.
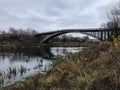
x=74, y=30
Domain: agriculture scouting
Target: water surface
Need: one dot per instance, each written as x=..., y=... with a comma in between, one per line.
x=17, y=66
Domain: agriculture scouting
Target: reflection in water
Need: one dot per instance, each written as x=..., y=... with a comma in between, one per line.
x=17, y=66
x=44, y=51
x=16, y=70
x=62, y=50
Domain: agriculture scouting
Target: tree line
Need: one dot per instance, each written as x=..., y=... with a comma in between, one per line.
x=113, y=20
x=17, y=35
x=70, y=38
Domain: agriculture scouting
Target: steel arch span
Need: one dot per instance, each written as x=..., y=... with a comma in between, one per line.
x=99, y=33
x=48, y=38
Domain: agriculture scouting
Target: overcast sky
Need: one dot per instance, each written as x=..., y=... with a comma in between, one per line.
x=46, y=15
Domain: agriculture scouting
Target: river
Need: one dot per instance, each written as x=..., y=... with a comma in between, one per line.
x=17, y=66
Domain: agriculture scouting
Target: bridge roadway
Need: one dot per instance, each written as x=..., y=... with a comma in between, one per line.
x=73, y=30
x=99, y=33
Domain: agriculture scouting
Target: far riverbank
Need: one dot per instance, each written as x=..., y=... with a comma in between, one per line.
x=17, y=46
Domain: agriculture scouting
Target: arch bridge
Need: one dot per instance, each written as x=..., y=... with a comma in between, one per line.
x=100, y=33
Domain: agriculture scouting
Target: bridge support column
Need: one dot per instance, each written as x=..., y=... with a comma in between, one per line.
x=101, y=36
x=112, y=32
x=98, y=34
x=105, y=34
x=108, y=35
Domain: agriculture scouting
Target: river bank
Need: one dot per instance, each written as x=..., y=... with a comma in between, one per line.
x=17, y=46
x=95, y=68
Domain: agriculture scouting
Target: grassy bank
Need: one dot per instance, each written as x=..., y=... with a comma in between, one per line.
x=95, y=68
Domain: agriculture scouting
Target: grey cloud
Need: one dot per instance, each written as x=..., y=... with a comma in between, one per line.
x=52, y=14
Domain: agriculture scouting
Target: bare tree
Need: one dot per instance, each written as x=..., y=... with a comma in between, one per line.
x=114, y=19
x=13, y=31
